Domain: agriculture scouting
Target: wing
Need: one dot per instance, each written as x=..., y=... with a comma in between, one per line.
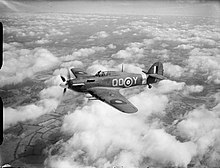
x=113, y=98
x=79, y=73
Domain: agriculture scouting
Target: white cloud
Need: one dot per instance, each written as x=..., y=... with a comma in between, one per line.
x=121, y=31
x=111, y=46
x=205, y=61
x=202, y=127
x=167, y=86
x=193, y=89
x=164, y=53
x=99, y=35
x=215, y=77
x=129, y=53
x=104, y=137
x=42, y=41
x=83, y=52
x=165, y=149
x=101, y=136
x=173, y=70
x=49, y=100
x=23, y=63
x=76, y=64
x=184, y=46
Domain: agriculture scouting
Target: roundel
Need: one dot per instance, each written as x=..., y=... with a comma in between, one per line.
x=128, y=82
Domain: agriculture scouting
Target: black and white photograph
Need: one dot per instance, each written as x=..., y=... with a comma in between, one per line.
x=110, y=83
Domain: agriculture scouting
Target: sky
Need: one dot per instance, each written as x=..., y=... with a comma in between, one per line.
x=183, y=8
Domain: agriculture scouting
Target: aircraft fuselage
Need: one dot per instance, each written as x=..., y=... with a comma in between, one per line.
x=119, y=80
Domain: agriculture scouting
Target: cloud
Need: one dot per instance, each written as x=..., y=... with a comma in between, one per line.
x=121, y=31
x=202, y=127
x=167, y=86
x=49, y=100
x=185, y=46
x=111, y=46
x=215, y=77
x=42, y=41
x=101, y=136
x=175, y=71
x=193, y=89
x=205, y=61
x=99, y=35
x=24, y=63
x=165, y=149
x=83, y=52
x=163, y=53
x=130, y=53
x=76, y=64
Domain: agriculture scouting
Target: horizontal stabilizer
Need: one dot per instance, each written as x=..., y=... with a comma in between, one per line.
x=161, y=77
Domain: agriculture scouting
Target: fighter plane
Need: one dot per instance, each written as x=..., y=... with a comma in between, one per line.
x=105, y=85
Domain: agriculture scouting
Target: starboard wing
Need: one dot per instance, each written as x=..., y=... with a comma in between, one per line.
x=113, y=98
x=79, y=73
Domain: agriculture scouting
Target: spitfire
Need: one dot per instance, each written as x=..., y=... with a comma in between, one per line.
x=105, y=85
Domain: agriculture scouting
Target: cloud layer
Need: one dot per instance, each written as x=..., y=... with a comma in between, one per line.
x=50, y=98
x=24, y=63
x=110, y=138
x=178, y=119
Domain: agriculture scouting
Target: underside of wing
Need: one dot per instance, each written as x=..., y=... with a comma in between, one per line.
x=113, y=98
x=79, y=73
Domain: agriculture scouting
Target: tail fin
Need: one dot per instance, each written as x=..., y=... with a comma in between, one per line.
x=156, y=68
x=155, y=73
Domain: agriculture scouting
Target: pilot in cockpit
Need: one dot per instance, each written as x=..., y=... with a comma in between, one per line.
x=100, y=73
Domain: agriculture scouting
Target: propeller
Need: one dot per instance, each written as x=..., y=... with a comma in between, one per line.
x=65, y=83
x=63, y=79
x=64, y=91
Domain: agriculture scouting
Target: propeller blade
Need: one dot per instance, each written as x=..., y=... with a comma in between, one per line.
x=63, y=79
x=64, y=91
x=68, y=74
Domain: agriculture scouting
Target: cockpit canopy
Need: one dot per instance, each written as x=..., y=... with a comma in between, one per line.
x=102, y=73
x=108, y=73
